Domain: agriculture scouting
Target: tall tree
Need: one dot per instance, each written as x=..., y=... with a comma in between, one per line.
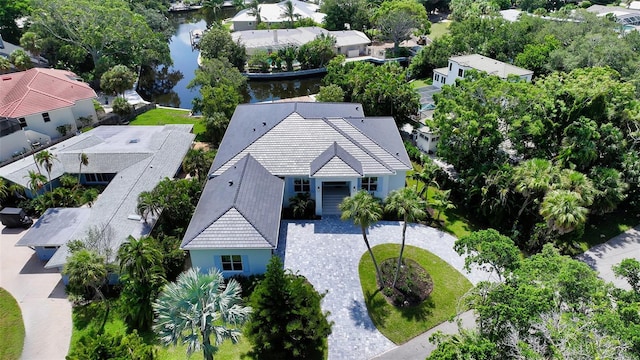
x=31, y=42
x=296, y=331
x=142, y=279
x=196, y=163
x=406, y=203
x=254, y=10
x=339, y=13
x=289, y=13
x=46, y=159
x=20, y=59
x=36, y=182
x=117, y=80
x=364, y=210
x=83, y=160
x=491, y=250
x=398, y=19
x=197, y=307
x=10, y=11
x=563, y=210
x=211, y=9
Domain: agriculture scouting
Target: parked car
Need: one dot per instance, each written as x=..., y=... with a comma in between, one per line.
x=14, y=218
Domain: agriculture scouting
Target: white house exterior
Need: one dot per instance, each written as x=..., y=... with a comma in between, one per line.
x=274, y=14
x=458, y=65
x=40, y=101
x=426, y=139
x=272, y=152
x=350, y=43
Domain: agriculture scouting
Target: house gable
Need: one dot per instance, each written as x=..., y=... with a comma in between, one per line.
x=335, y=161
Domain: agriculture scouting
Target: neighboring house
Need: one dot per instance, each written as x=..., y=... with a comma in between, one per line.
x=459, y=64
x=425, y=139
x=128, y=160
x=350, y=43
x=272, y=152
x=628, y=17
x=36, y=104
x=274, y=14
x=6, y=48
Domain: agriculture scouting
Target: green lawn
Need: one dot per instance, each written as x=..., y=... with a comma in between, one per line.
x=421, y=83
x=11, y=327
x=161, y=116
x=88, y=318
x=603, y=228
x=402, y=324
x=438, y=29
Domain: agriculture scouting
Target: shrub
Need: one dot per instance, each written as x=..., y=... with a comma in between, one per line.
x=331, y=93
x=121, y=106
x=112, y=346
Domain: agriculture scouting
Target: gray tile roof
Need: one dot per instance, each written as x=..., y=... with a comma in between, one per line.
x=240, y=208
x=55, y=227
x=335, y=161
x=288, y=146
x=251, y=121
x=490, y=66
x=163, y=147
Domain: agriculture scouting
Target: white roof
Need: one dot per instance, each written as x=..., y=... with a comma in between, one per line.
x=489, y=65
x=279, y=38
x=274, y=13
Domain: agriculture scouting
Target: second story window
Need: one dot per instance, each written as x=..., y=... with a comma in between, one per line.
x=46, y=117
x=460, y=72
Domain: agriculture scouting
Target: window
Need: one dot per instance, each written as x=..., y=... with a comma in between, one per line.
x=460, y=72
x=231, y=262
x=437, y=77
x=301, y=185
x=23, y=123
x=46, y=117
x=450, y=65
x=370, y=183
x=98, y=178
x=443, y=79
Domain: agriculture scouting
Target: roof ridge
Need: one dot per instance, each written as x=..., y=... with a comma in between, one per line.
x=375, y=142
x=252, y=224
x=356, y=143
x=244, y=168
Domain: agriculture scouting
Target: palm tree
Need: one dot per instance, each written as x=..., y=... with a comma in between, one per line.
x=143, y=277
x=4, y=190
x=563, y=210
x=289, y=12
x=254, y=10
x=441, y=202
x=147, y=205
x=210, y=9
x=364, y=210
x=45, y=158
x=197, y=307
x=302, y=205
x=195, y=164
x=531, y=178
x=36, y=182
x=238, y=4
x=87, y=271
x=406, y=203
x=31, y=42
x=84, y=161
x=288, y=55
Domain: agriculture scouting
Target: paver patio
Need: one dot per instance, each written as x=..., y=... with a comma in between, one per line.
x=327, y=253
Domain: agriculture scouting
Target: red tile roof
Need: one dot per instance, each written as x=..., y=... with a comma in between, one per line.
x=40, y=90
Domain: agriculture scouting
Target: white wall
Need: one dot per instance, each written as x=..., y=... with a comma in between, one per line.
x=15, y=142
x=289, y=189
x=426, y=141
x=254, y=261
x=84, y=108
x=58, y=117
x=396, y=181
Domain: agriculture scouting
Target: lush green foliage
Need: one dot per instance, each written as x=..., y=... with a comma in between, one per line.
x=490, y=250
x=330, y=93
x=396, y=20
x=341, y=12
x=10, y=11
x=382, y=90
x=316, y=53
x=400, y=324
x=111, y=346
x=217, y=43
x=117, y=79
x=198, y=307
x=568, y=134
x=11, y=327
x=197, y=163
x=297, y=330
x=121, y=106
x=302, y=206
x=85, y=29
x=550, y=306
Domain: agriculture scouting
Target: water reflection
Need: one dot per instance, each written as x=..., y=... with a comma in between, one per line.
x=168, y=85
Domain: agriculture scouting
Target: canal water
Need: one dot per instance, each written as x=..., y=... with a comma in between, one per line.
x=168, y=86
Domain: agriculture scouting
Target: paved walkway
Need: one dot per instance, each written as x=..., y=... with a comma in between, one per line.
x=46, y=312
x=327, y=252
x=602, y=257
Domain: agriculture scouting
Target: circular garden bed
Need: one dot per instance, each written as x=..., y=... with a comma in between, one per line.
x=414, y=284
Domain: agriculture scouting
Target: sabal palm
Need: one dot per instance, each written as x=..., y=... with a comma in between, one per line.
x=195, y=164
x=406, y=203
x=563, y=210
x=579, y=183
x=289, y=12
x=441, y=201
x=197, y=307
x=45, y=158
x=532, y=177
x=211, y=8
x=84, y=161
x=364, y=210
x=148, y=204
x=254, y=10
x=86, y=269
x=36, y=182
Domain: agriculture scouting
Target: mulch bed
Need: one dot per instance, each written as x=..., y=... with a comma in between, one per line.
x=414, y=283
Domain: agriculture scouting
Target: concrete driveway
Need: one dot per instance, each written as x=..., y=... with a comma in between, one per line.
x=45, y=309
x=602, y=257
x=327, y=253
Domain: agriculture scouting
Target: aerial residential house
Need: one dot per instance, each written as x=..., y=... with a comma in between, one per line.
x=38, y=105
x=458, y=65
x=127, y=160
x=6, y=48
x=350, y=43
x=274, y=14
x=272, y=152
x=629, y=17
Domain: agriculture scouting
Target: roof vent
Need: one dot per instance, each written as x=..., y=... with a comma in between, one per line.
x=254, y=129
x=134, y=141
x=264, y=123
x=230, y=182
x=134, y=217
x=6, y=78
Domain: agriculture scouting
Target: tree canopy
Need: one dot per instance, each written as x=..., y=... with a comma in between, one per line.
x=398, y=19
